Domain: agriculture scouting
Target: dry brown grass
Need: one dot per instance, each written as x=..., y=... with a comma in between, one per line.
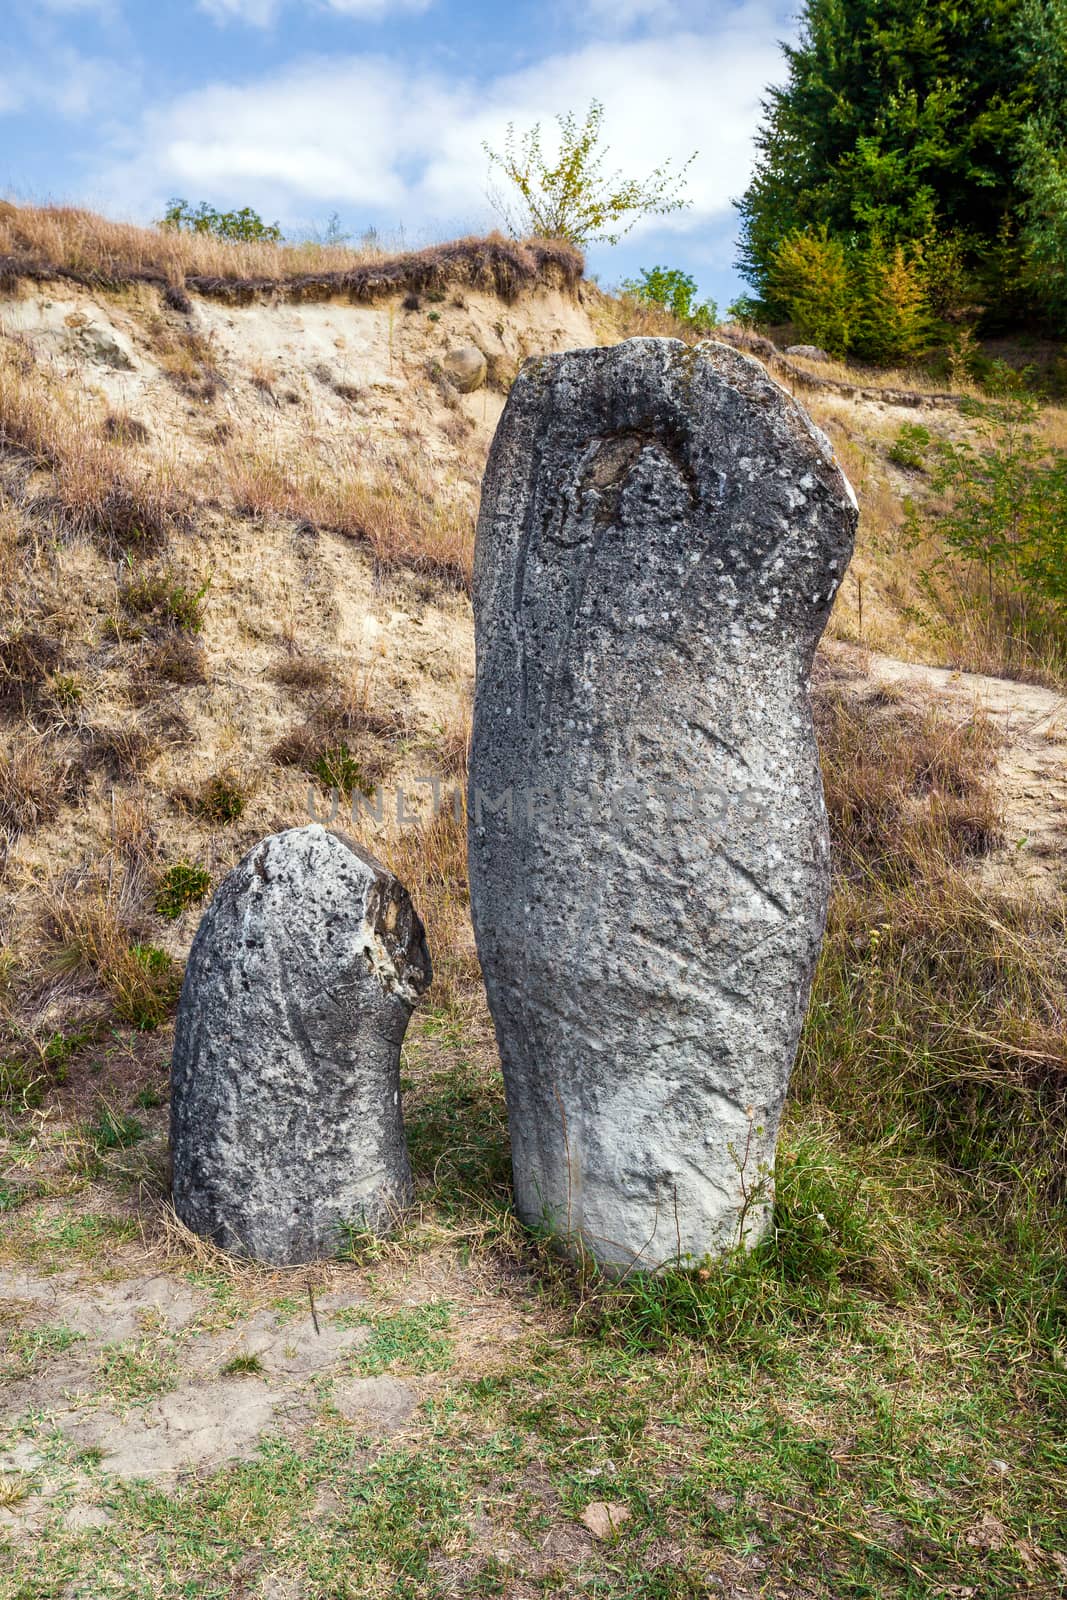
x=40, y=242
x=347, y=740
x=188, y=358
x=96, y=934
x=99, y=488
x=36, y=778
x=403, y=515
x=124, y=429
x=451, y=746
x=298, y=671
x=937, y=1016
x=430, y=859
x=123, y=749
x=1024, y=640
x=176, y=658
x=265, y=375
x=903, y=791
x=134, y=845
x=632, y=318
x=28, y=658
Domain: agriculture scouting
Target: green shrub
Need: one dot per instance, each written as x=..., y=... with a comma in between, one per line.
x=337, y=768
x=814, y=279
x=674, y=291
x=895, y=322
x=65, y=691
x=910, y=446
x=571, y=196
x=873, y=301
x=150, y=991
x=222, y=799
x=179, y=887
x=245, y=225
x=164, y=596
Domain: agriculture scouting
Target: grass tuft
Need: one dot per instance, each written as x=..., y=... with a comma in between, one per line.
x=166, y=599
x=93, y=934
x=222, y=798
x=179, y=887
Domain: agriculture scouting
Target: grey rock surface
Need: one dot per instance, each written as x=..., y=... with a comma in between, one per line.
x=810, y=352
x=661, y=536
x=286, y=1124
x=103, y=346
x=466, y=367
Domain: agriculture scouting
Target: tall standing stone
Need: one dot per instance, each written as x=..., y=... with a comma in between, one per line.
x=661, y=536
x=286, y=1125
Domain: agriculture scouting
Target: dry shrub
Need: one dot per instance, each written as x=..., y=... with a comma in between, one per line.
x=96, y=488
x=264, y=375
x=402, y=515
x=123, y=750
x=430, y=859
x=903, y=791
x=188, y=358
x=937, y=1022
x=133, y=838
x=303, y=672
x=124, y=429
x=346, y=741
x=42, y=242
x=501, y=371
x=27, y=659
x=638, y=319
x=94, y=934
x=36, y=779
x=175, y=657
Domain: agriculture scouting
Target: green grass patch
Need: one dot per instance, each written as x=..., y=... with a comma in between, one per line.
x=222, y=799
x=164, y=597
x=179, y=887
x=137, y=1370
x=114, y=1130
x=411, y=1340
x=25, y=1350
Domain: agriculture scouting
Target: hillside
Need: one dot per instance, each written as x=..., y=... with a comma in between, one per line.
x=237, y=496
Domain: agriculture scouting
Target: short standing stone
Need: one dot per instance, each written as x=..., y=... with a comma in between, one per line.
x=286, y=1125
x=661, y=536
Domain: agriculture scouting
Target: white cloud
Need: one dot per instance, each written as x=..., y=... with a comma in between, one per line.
x=387, y=145
x=259, y=13
x=63, y=82
x=375, y=8
x=104, y=8
x=263, y=13
x=618, y=15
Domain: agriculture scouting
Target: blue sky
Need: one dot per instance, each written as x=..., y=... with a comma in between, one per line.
x=377, y=109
